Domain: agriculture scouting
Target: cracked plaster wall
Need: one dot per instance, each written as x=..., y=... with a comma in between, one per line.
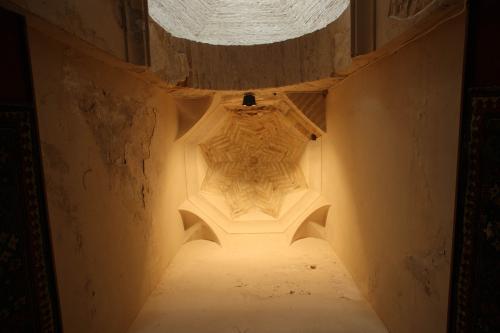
x=107, y=139
x=391, y=152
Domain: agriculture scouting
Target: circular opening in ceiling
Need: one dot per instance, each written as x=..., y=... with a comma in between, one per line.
x=244, y=22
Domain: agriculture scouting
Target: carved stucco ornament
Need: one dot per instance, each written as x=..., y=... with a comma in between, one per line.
x=254, y=161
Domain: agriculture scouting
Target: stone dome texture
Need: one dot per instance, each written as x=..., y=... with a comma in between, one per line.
x=243, y=22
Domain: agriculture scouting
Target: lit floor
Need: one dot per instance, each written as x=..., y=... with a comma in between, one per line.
x=257, y=289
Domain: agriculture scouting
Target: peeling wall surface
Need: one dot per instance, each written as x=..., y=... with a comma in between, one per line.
x=391, y=158
x=116, y=176
x=107, y=139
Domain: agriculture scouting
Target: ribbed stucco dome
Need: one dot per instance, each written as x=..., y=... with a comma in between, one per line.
x=244, y=22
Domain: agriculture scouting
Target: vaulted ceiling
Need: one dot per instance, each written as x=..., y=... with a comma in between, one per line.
x=243, y=22
x=254, y=161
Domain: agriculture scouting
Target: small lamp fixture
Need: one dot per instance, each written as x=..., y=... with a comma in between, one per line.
x=314, y=137
x=249, y=99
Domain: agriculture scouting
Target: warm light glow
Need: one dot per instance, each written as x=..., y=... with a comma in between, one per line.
x=254, y=161
x=258, y=286
x=252, y=169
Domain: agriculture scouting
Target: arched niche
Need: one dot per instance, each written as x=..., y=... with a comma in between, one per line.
x=197, y=229
x=314, y=225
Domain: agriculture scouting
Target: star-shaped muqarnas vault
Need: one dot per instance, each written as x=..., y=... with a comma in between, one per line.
x=254, y=161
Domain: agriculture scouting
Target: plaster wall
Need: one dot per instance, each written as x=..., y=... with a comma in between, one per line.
x=98, y=22
x=394, y=22
x=112, y=174
x=391, y=151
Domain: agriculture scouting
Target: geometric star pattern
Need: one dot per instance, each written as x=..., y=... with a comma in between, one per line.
x=254, y=161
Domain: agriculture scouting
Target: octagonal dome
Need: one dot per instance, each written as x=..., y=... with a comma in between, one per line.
x=243, y=22
x=252, y=169
x=254, y=161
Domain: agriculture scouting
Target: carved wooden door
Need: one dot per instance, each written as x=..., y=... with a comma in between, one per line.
x=28, y=293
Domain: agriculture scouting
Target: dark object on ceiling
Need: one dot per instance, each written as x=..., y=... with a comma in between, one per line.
x=249, y=99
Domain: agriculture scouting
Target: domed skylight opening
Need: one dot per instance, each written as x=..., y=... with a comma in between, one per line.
x=244, y=22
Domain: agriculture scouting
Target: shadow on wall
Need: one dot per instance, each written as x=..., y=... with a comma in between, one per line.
x=314, y=225
x=196, y=229
x=189, y=111
x=391, y=174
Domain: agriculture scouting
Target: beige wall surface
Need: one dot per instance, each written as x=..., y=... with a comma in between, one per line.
x=98, y=22
x=391, y=154
x=391, y=25
x=107, y=139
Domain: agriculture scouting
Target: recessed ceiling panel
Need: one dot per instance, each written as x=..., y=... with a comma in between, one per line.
x=254, y=161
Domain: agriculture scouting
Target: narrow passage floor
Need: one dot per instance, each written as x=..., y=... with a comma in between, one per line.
x=259, y=288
